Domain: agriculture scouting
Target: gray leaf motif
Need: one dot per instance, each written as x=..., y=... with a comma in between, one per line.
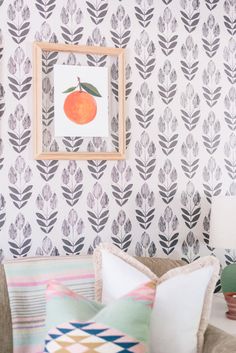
x=145, y=211
x=47, y=169
x=211, y=33
x=115, y=132
x=96, y=167
x=230, y=61
x=190, y=248
x=190, y=111
x=191, y=201
x=114, y=82
x=20, y=237
x=49, y=59
x=168, y=224
x=45, y=8
x=230, y=17
x=121, y=228
x=71, y=18
x=2, y=211
x=1, y=256
x=72, y=178
x=72, y=144
x=20, y=176
x=190, y=15
x=19, y=124
x=19, y=25
x=141, y=250
x=120, y=18
x=152, y=249
x=138, y=249
x=144, y=112
x=167, y=182
x=229, y=150
x=211, y=177
x=47, y=245
x=145, y=149
x=96, y=39
x=144, y=12
x=71, y=227
x=206, y=232
x=211, y=133
x=46, y=202
x=96, y=242
x=1, y=44
x=97, y=10
x=211, y=4
x=16, y=65
x=189, y=62
x=1, y=154
x=190, y=150
x=2, y=103
x=168, y=138
x=98, y=201
x=230, y=109
x=167, y=25
x=145, y=240
x=167, y=86
x=145, y=51
x=121, y=189
x=211, y=78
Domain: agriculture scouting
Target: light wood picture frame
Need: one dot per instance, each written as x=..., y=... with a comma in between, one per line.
x=39, y=153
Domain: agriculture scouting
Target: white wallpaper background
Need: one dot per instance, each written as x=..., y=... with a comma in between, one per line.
x=181, y=122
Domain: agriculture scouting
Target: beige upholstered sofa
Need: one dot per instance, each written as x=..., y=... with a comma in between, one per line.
x=216, y=341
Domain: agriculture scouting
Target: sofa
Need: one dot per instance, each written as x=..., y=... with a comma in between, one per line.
x=216, y=340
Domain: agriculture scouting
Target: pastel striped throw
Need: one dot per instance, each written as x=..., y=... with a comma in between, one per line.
x=27, y=280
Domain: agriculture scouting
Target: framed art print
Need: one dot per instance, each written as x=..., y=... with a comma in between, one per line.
x=79, y=111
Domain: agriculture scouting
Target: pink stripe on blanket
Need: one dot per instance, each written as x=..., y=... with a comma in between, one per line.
x=37, y=283
x=25, y=348
x=28, y=319
x=28, y=327
x=44, y=276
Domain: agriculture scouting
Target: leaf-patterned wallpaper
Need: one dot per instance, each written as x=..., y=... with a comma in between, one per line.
x=180, y=121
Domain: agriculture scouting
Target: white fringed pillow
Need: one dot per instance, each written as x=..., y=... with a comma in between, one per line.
x=183, y=296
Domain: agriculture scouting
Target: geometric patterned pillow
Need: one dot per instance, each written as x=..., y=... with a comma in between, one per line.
x=75, y=337
x=122, y=326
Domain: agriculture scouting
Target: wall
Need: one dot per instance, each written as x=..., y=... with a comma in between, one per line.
x=181, y=106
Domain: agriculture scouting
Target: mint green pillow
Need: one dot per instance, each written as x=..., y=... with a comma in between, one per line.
x=63, y=304
x=129, y=314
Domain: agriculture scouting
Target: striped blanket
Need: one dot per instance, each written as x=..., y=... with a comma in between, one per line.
x=27, y=279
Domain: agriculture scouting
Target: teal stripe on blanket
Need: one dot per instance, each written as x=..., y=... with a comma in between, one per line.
x=26, y=281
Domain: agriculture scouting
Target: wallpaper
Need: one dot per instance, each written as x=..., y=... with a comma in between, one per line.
x=180, y=129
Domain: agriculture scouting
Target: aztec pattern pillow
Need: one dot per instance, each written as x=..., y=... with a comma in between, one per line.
x=122, y=326
x=183, y=296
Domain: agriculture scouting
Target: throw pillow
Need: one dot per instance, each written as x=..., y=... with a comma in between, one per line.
x=63, y=304
x=122, y=326
x=183, y=296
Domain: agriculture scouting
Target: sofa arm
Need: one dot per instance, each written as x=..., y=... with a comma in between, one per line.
x=218, y=341
x=5, y=316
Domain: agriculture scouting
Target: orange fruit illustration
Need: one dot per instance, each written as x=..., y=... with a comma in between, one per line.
x=80, y=107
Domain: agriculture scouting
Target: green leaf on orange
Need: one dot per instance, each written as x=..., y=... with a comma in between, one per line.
x=71, y=89
x=90, y=89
